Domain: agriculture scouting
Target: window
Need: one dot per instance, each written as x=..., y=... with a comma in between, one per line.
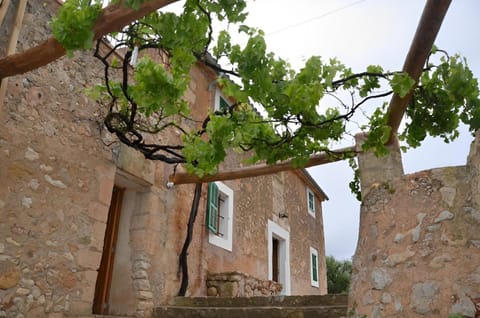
x=314, y=266
x=311, y=202
x=220, y=101
x=219, y=218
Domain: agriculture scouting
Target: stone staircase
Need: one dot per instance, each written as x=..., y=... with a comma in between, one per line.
x=328, y=306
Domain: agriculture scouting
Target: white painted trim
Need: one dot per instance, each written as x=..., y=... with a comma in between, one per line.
x=310, y=211
x=225, y=241
x=276, y=231
x=313, y=252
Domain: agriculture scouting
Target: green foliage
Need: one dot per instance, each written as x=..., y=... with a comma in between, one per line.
x=157, y=89
x=370, y=82
x=231, y=10
x=402, y=84
x=338, y=275
x=279, y=112
x=354, y=185
x=447, y=95
x=379, y=133
x=135, y=4
x=72, y=27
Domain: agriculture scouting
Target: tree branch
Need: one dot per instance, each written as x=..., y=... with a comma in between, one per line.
x=182, y=261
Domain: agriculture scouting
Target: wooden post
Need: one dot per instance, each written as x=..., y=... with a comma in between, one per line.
x=260, y=170
x=427, y=30
x=12, y=44
x=3, y=9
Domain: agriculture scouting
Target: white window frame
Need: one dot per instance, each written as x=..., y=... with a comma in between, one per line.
x=313, y=251
x=277, y=232
x=225, y=237
x=310, y=210
x=218, y=95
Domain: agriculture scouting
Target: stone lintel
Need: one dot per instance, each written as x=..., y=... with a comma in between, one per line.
x=134, y=163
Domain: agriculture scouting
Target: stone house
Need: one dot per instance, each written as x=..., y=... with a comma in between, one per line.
x=88, y=223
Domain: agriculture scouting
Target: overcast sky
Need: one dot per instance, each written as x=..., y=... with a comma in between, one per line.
x=361, y=33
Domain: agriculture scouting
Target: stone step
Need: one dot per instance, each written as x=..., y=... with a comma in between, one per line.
x=251, y=312
x=329, y=306
x=104, y=316
x=272, y=301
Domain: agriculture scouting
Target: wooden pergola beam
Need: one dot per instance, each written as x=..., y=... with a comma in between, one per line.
x=427, y=30
x=113, y=18
x=260, y=170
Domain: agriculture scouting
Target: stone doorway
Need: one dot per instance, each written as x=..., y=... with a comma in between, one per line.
x=279, y=256
x=123, y=286
x=104, y=278
x=275, y=261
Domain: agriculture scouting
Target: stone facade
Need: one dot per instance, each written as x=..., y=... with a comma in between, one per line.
x=418, y=253
x=58, y=169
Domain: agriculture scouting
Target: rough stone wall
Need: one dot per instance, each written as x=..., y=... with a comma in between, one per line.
x=237, y=284
x=58, y=168
x=418, y=253
x=57, y=177
x=258, y=200
x=305, y=231
x=251, y=211
x=56, y=182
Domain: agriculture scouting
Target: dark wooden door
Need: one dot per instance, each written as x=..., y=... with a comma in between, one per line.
x=104, y=278
x=275, y=269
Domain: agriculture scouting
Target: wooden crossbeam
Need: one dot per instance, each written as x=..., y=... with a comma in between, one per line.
x=260, y=170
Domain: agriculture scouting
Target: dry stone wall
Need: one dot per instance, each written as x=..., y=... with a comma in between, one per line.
x=418, y=253
x=237, y=284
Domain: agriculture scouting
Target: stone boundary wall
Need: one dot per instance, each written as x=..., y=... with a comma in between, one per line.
x=236, y=284
x=418, y=253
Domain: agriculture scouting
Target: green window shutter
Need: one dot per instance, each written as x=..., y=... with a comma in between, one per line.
x=212, y=207
x=223, y=104
x=314, y=268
